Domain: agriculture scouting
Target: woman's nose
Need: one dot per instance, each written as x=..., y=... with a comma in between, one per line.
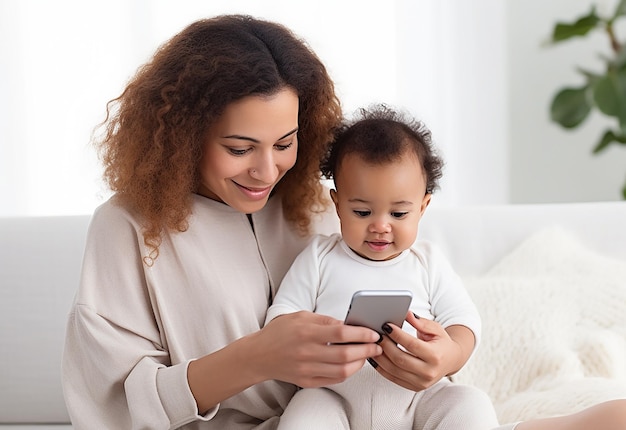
x=264, y=169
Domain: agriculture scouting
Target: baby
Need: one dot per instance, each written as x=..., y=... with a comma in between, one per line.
x=385, y=170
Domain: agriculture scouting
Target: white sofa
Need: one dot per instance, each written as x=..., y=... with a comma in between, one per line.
x=516, y=362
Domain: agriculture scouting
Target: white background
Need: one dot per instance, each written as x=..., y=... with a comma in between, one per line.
x=475, y=72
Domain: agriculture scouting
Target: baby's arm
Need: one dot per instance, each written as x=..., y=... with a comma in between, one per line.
x=298, y=289
x=465, y=340
x=436, y=352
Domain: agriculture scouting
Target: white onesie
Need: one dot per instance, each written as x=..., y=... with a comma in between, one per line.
x=322, y=279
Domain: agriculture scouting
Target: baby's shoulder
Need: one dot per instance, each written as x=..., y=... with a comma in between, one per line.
x=324, y=243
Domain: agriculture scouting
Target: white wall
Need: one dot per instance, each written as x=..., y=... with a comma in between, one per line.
x=549, y=163
x=452, y=73
x=475, y=72
x=63, y=60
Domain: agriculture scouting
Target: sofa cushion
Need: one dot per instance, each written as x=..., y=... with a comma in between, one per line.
x=554, y=328
x=40, y=263
x=475, y=238
x=35, y=427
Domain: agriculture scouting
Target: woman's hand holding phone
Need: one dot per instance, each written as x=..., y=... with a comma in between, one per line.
x=434, y=354
x=312, y=350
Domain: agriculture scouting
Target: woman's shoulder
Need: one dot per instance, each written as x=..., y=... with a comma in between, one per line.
x=112, y=211
x=115, y=212
x=112, y=220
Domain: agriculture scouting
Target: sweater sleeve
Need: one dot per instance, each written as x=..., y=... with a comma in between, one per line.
x=116, y=367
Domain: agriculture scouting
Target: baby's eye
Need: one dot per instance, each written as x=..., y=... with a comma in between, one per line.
x=362, y=214
x=399, y=215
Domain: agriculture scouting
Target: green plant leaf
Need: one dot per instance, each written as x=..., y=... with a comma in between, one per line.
x=609, y=95
x=563, y=31
x=607, y=138
x=606, y=94
x=621, y=86
x=570, y=107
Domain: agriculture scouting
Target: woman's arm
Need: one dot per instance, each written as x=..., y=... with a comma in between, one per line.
x=302, y=348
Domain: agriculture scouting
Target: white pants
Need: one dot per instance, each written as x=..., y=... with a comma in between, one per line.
x=367, y=401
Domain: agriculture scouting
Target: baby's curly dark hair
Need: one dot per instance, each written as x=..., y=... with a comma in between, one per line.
x=380, y=134
x=155, y=130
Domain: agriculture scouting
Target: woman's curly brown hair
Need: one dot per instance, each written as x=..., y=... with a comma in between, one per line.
x=155, y=130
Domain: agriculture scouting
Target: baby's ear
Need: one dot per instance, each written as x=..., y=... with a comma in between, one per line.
x=425, y=203
x=333, y=196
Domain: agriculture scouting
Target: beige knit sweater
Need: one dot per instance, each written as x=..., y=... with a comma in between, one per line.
x=133, y=329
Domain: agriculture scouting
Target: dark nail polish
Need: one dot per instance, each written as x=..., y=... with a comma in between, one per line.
x=372, y=362
x=380, y=339
x=387, y=328
x=415, y=315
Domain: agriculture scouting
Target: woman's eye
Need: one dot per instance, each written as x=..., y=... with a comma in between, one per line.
x=398, y=215
x=283, y=147
x=362, y=214
x=236, y=151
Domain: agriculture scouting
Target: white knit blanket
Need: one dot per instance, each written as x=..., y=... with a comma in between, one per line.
x=554, y=329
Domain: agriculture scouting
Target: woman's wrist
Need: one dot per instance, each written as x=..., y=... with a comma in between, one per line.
x=224, y=373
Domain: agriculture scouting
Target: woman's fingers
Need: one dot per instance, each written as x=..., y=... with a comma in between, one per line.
x=403, y=368
x=409, y=361
x=314, y=350
x=426, y=329
x=403, y=378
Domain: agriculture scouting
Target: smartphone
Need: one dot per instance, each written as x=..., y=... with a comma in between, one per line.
x=373, y=308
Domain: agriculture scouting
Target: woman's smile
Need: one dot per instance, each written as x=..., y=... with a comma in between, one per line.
x=254, y=193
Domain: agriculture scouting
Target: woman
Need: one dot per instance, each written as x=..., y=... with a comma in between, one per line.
x=213, y=152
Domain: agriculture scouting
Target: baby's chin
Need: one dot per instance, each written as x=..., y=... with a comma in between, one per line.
x=377, y=255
